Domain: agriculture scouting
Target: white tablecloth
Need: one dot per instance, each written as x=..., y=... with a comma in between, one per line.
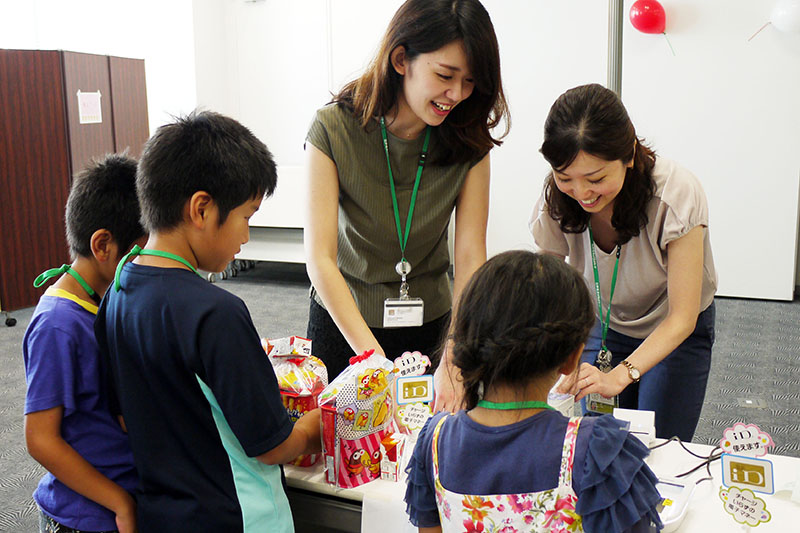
x=383, y=509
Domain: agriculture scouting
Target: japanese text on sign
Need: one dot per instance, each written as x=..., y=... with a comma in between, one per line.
x=744, y=506
x=411, y=364
x=745, y=440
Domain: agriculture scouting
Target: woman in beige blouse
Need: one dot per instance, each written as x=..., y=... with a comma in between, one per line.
x=636, y=226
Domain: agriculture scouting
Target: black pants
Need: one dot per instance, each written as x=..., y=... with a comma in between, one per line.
x=330, y=345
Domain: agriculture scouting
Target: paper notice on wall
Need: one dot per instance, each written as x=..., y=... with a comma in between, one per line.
x=89, y=108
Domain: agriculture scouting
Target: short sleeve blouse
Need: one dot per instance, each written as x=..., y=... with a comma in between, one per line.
x=640, y=297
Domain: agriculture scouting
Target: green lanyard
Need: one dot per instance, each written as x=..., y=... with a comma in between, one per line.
x=66, y=269
x=404, y=239
x=158, y=253
x=597, y=290
x=508, y=406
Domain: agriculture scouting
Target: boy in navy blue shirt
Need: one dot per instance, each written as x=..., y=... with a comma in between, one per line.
x=197, y=392
x=69, y=428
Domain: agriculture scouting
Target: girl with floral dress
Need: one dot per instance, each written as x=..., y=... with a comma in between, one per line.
x=509, y=462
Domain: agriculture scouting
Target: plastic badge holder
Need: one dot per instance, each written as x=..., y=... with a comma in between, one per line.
x=676, y=495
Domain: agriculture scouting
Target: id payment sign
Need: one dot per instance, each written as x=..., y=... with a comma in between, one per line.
x=745, y=439
x=754, y=474
x=414, y=389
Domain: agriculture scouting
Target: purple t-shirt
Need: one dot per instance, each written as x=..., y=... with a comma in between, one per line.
x=62, y=368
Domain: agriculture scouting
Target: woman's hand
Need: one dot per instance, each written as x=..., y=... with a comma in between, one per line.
x=447, y=384
x=469, y=251
x=591, y=380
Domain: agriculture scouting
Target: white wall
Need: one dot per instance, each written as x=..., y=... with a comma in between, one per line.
x=160, y=32
x=273, y=63
x=546, y=47
x=728, y=110
x=723, y=107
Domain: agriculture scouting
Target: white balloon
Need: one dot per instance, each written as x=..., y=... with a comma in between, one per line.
x=786, y=16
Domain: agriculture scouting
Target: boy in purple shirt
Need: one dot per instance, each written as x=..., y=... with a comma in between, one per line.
x=69, y=428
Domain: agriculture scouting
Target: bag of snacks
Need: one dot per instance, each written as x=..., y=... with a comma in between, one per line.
x=356, y=409
x=301, y=378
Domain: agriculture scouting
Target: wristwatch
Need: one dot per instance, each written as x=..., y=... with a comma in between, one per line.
x=633, y=372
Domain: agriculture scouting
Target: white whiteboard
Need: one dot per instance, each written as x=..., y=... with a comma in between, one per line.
x=728, y=110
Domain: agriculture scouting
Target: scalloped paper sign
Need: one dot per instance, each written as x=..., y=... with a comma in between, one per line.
x=744, y=506
x=745, y=439
x=414, y=415
x=411, y=364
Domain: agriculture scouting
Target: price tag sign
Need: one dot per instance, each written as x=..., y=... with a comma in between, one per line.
x=744, y=506
x=745, y=439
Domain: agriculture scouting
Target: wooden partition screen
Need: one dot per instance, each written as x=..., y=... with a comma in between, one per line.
x=43, y=143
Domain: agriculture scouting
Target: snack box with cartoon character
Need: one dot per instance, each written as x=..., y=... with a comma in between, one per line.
x=301, y=379
x=356, y=410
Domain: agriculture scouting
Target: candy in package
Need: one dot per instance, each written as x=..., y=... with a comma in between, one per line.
x=392, y=445
x=293, y=345
x=356, y=410
x=301, y=379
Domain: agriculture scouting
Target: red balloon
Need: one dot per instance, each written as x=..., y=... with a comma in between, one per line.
x=648, y=16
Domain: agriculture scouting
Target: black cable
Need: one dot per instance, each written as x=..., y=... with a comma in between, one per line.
x=707, y=459
x=707, y=463
x=676, y=439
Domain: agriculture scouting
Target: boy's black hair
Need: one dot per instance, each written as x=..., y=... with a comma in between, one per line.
x=203, y=151
x=103, y=196
x=521, y=315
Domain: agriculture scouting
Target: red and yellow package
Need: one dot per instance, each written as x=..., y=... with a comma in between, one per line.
x=356, y=410
x=301, y=379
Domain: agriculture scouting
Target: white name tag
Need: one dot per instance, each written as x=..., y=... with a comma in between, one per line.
x=402, y=313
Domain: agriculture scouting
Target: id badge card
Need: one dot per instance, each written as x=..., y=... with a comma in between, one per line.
x=597, y=403
x=402, y=312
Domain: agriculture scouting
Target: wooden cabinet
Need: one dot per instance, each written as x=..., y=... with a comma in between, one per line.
x=43, y=143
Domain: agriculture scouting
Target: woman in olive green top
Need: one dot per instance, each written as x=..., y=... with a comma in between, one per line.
x=389, y=160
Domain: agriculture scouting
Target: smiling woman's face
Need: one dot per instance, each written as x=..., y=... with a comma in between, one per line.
x=435, y=82
x=593, y=182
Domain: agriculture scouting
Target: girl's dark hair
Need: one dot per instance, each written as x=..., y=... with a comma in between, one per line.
x=423, y=26
x=520, y=316
x=103, y=196
x=203, y=151
x=592, y=119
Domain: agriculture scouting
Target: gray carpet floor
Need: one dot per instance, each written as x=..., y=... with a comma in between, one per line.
x=755, y=374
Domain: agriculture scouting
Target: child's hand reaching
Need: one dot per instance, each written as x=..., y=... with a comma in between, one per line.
x=311, y=424
x=126, y=516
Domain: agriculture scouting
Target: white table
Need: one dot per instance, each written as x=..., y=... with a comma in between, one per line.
x=706, y=512
x=383, y=508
